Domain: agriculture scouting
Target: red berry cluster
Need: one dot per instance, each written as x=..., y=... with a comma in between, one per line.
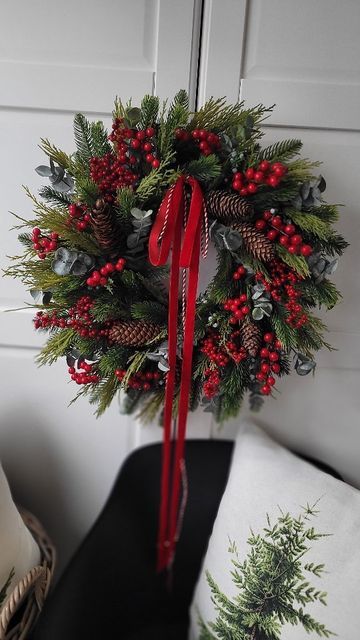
x=282, y=288
x=111, y=173
x=284, y=233
x=236, y=350
x=140, y=381
x=207, y=141
x=239, y=273
x=43, y=244
x=78, y=216
x=247, y=183
x=84, y=374
x=211, y=383
x=210, y=346
x=269, y=362
x=238, y=307
x=129, y=140
x=78, y=318
x=100, y=278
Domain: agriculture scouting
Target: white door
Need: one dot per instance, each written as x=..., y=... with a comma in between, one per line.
x=56, y=60
x=305, y=57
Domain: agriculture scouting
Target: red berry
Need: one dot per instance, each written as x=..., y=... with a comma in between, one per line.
x=273, y=356
x=237, y=185
x=264, y=353
x=244, y=191
x=289, y=229
x=242, y=298
x=141, y=135
x=241, y=270
x=268, y=337
x=149, y=158
x=273, y=181
x=259, y=176
x=147, y=147
x=36, y=231
x=272, y=234
x=276, y=222
x=267, y=215
x=135, y=143
x=264, y=165
x=265, y=368
x=149, y=132
x=196, y=134
x=252, y=187
x=245, y=309
x=260, y=225
x=155, y=163
x=271, y=380
x=275, y=367
x=249, y=173
x=109, y=267
x=179, y=133
x=265, y=389
x=306, y=250
x=284, y=240
x=260, y=376
x=296, y=239
x=278, y=344
x=293, y=249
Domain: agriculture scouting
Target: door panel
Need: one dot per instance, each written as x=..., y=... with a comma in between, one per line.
x=54, y=61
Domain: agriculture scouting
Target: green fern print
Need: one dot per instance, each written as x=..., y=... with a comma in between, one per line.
x=272, y=583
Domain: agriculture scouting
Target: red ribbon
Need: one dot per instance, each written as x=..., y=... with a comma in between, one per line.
x=172, y=231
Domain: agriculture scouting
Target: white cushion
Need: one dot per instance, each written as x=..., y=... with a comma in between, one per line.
x=264, y=479
x=18, y=549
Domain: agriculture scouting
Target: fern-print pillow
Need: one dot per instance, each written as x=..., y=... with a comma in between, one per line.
x=283, y=561
x=18, y=550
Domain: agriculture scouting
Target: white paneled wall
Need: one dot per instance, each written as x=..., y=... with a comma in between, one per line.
x=55, y=61
x=305, y=58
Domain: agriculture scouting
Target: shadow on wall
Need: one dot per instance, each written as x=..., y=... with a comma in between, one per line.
x=34, y=470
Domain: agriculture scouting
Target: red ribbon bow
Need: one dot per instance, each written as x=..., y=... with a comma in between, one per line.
x=174, y=230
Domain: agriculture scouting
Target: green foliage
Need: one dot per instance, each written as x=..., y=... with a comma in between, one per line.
x=218, y=116
x=334, y=245
x=323, y=294
x=233, y=385
x=298, y=263
x=310, y=223
x=103, y=393
x=87, y=191
x=205, y=169
x=284, y=332
x=60, y=157
x=272, y=584
x=149, y=311
x=222, y=285
x=149, y=111
x=54, y=197
x=281, y=151
x=83, y=138
x=327, y=212
x=57, y=345
x=176, y=116
x=155, y=181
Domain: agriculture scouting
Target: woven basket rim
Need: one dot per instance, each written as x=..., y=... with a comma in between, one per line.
x=32, y=590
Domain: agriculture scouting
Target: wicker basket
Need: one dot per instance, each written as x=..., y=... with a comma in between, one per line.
x=26, y=600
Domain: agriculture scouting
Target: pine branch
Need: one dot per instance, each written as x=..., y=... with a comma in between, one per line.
x=281, y=151
x=149, y=311
x=87, y=191
x=83, y=140
x=176, y=116
x=149, y=111
x=156, y=180
x=310, y=223
x=103, y=393
x=119, y=109
x=60, y=157
x=100, y=144
x=54, y=197
x=57, y=346
x=327, y=212
x=323, y=294
x=334, y=245
x=298, y=263
x=284, y=332
x=205, y=169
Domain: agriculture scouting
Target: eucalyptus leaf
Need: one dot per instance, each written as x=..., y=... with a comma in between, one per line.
x=44, y=171
x=74, y=262
x=257, y=313
x=304, y=364
x=41, y=297
x=133, y=115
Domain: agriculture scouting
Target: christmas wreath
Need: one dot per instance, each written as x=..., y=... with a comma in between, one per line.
x=112, y=262
x=105, y=303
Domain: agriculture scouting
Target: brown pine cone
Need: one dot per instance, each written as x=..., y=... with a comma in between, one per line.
x=227, y=207
x=255, y=242
x=106, y=228
x=133, y=333
x=251, y=336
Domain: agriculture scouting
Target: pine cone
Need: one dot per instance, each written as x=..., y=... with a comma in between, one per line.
x=251, y=336
x=227, y=207
x=133, y=333
x=106, y=228
x=255, y=242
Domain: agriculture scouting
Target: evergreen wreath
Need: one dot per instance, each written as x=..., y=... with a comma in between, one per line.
x=105, y=306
